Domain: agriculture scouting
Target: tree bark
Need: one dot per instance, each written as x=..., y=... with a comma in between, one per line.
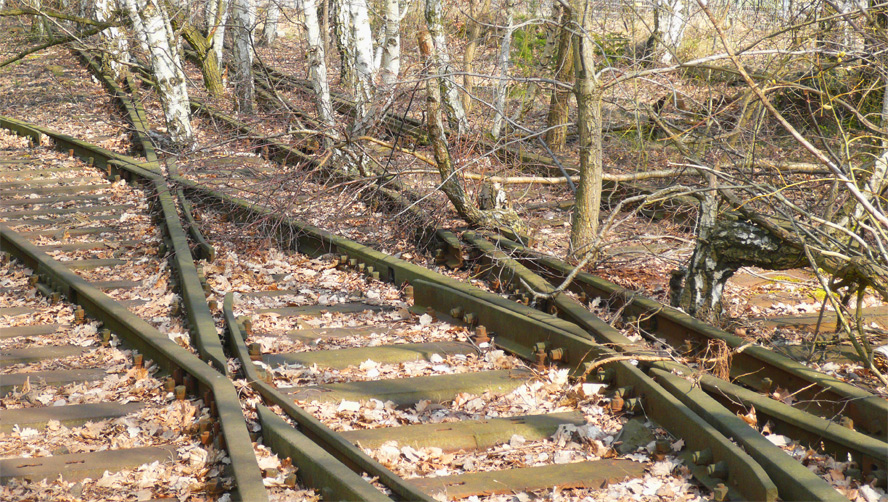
x=342, y=30
x=556, y=122
x=473, y=32
x=673, y=22
x=244, y=20
x=502, y=85
x=317, y=65
x=272, y=15
x=113, y=39
x=450, y=182
x=390, y=66
x=584, y=225
x=209, y=65
x=456, y=115
x=150, y=18
x=216, y=16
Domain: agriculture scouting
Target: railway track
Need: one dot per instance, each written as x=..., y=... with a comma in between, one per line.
x=93, y=378
x=294, y=353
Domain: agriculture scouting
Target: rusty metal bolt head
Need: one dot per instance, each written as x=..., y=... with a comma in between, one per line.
x=431, y=311
x=248, y=326
x=481, y=334
x=556, y=354
x=55, y=297
x=846, y=422
x=720, y=492
x=180, y=392
x=79, y=315
x=616, y=404
x=408, y=292
x=137, y=360
x=32, y=281
x=469, y=318
x=213, y=304
x=456, y=312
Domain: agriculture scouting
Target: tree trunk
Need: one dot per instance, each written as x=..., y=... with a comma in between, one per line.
x=723, y=246
x=556, y=123
x=502, y=85
x=362, y=64
x=450, y=182
x=342, y=30
x=216, y=16
x=674, y=20
x=152, y=21
x=243, y=13
x=317, y=66
x=473, y=32
x=456, y=115
x=113, y=39
x=209, y=65
x=584, y=226
x=269, y=31
x=390, y=66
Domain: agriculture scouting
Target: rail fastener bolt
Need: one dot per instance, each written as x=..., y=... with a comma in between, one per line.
x=718, y=470
x=456, y=312
x=408, y=292
x=557, y=354
x=540, y=353
x=180, y=392
x=106, y=337
x=55, y=298
x=846, y=422
x=248, y=326
x=616, y=404
x=137, y=360
x=470, y=319
x=431, y=312
x=481, y=334
x=79, y=315
x=766, y=384
x=702, y=457
x=255, y=351
x=720, y=492
x=213, y=304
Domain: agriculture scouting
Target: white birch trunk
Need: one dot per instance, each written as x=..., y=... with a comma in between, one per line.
x=243, y=15
x=456, y=115
x=502, y=84
x=272, y=14
x=344, y=44
x=150, y=18
x=390, y=60
x=674, y=21
x=113, y=39
x=317, y=65
x=363, y=57
x=215, y=16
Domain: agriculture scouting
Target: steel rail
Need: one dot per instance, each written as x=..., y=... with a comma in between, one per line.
x=350, y=487
x=744, y=477
x=794, y=481
x=126, y=324
x=199, y=318
x=754, y=366
x=155, y=346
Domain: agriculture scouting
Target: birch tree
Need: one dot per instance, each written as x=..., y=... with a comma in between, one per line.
x=434, y=15
x=243, y=13
x=504, y=59
x=390, y=62
x=362, y=57
x=473, y=32
x=216, y=15
x=150, y=18
x=272, y=14
x=317, y=65
x=113, y=39
x=672, y=21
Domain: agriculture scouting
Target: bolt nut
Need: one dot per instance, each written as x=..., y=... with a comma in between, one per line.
x=456, y=312
x=702, y=457
x=720, y=492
